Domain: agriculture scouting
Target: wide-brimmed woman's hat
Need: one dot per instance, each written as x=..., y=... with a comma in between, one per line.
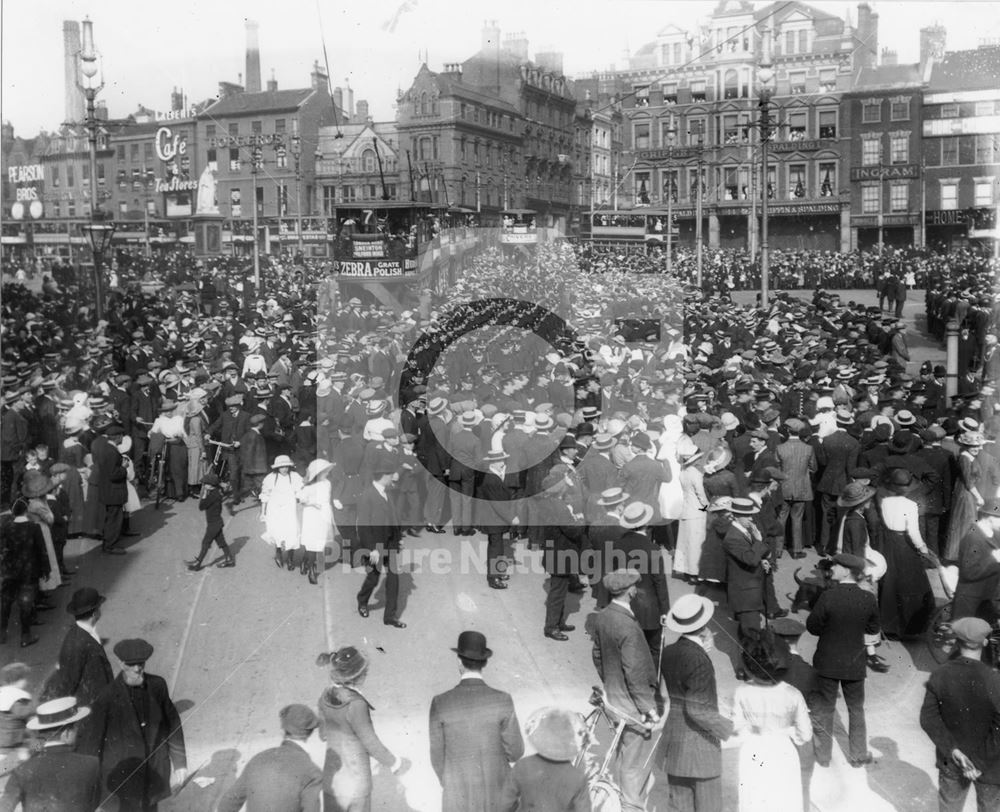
x=347, y=665
x=35, y=484
x=555, y=733
x=57, y=713
x=689, y=614
x=636, y=514
x=855, y=494
x=317, y=468
x=282, y=461
x=719, y=457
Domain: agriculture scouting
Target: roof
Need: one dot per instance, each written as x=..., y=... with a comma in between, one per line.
x=784, y=8
x=887, y=77
x=461, y=90
x=978, y=69
x=264, y=102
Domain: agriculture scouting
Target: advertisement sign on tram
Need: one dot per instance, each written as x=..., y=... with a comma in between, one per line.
x=375, y=267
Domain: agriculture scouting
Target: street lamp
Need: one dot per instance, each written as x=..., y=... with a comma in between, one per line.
x=256, y=164
x=671, y=134
x=699, y=185
x=90, y=81
x=297, y=157
x=765, y=84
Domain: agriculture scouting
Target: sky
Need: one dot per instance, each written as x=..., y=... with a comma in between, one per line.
x=149, y=48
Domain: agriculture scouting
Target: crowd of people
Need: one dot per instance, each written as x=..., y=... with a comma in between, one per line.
x=577, y=404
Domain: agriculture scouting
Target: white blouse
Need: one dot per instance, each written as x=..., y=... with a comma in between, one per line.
x=899, y=514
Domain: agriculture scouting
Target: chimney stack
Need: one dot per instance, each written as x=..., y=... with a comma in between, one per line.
x=348, y=99
x=491, y=36
x=338, y=98
x=889, y=57
x=362, y=110
x=71, y=48
x=932, y=43
x=272, y=83
x=253, y=58
x=517, y=44
x=867, y=36
x=176, y=101
x=318, y=78
x=551, y=61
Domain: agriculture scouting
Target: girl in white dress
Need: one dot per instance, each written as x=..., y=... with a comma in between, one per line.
x=317, y=516
x=772, y=718
x=692, y=526
x=279, y=510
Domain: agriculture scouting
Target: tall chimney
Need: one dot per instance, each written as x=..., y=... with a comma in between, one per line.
x=932, y=42
x=362, y=110
x=272, y=83
x=338, y=98
x=491, y=36
x=253, y=59
x=176, y=100
x=71, y=48
x=867, y=36
x=348, y=99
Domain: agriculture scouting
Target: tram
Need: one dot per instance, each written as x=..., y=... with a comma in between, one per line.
x=651, y=226
x=518, y=227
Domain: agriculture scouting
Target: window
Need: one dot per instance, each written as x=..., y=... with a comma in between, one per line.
x=642, y=188
x=368, y=160
x=213, y=160
x=100, y=173
x=949, y=151
x=899, y=110
x=666, y=138
x=871, y=111
x=641, y=93
x=828, y=179
x=698, y=90
x=827, y=79
x=210, y=131
x=329, y=200
x=57, y=209
x=899, y=149
x=696, y=132
x=279, y=126
x=797, y=180
x=134, y=153
x=949, y=110
x=789, y=42
x=234, y=159
x=55, y=176
x=986, y=149
x=797, y=126
x=797, y=82
x=871, y=199
x=693, y=184
x=871, y=151
x=827, y=123
x=669, y=183
x=803, y=41
x=348, y=194
x=260, y=201
x=949, y=194
x=235, y=205
x=730, y=183
x=70, y=177
x=256, y=128
x=899, y=197
x=71, y=208
x=434, y=147
x=425, y=148
x=234, y=128
x=670, y=93
x=283, y=199
x=731, y=88
x=983, y=192
x=281, y=157
x=641, y=132
x=730, y=129
x=121, y=152
x=147, y=152
x=463, y=154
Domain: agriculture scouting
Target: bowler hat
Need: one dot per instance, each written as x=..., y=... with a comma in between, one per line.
x=786, y=627
x=347, y=664
x=84, y=601
x=472, y=646
x=133, y=651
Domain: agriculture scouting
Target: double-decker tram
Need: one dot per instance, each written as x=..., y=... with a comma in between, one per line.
x=518, y=227
x=647, y=226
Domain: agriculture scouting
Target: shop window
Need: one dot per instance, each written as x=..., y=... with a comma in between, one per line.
x=828, y=179
x=796, y=181
x=871, y=112
x=871, y=199
x=949, y=195
x=871, y=151
x=827, y=123
x=949, y=151
x=899, y=149
x=899, y=110
x=899, y=197
x=983, y=192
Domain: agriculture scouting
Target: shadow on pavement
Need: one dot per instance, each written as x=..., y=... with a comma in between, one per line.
x=899, y=782
x=195, y=798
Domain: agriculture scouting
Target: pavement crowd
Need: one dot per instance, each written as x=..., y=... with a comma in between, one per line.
x=611, y=416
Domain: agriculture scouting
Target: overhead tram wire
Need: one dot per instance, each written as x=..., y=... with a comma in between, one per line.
x=326, y=62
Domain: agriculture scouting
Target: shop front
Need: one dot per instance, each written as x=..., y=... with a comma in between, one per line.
x=959, y=228
x=893, y=230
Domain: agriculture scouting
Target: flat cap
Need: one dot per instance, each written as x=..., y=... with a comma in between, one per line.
x=133, y=651
x=620, y=580
x=298, y=720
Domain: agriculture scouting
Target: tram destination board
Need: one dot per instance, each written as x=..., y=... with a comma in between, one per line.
x=375, y=268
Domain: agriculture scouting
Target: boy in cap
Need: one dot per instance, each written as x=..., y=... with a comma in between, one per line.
x=960, y=714
x=283, y=777
x=210, y=503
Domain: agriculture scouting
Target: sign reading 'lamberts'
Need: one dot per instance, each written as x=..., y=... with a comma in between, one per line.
x=900, y=172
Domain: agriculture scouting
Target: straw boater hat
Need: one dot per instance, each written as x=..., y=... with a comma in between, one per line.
x=635, y=515
x=316, y=469
x=689, y=614
x=612, y=496
x=744, y=507
x=57, y=713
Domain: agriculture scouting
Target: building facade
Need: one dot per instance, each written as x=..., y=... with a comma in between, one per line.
x=961, y=148
x=882, y=115
x=357, y=162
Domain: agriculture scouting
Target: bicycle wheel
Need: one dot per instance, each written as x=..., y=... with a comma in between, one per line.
x=605, y=796
x=161, y=484
x=940, y=638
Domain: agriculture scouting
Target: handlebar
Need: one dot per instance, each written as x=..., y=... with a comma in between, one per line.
x=219, y=443
x=599, y=700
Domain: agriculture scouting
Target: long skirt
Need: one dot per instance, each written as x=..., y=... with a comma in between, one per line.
x=770, y=780
x=690, y=538
x=196, y=465
x=73, y=485
x=905, y=598
x=54, y=579
x=93, y=513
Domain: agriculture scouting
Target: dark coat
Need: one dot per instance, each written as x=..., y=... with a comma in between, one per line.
x=564, y=537
x=54, y=780
x=841, y=618
x=474, y=737
x=466, y=454
x=962, y=709
x=692, y=736
x=623, y=662
x=744, y=573
x=22, y=553
x=84, y=670
x=111, y=488
x=493, y=509
x=636, y=551
x=978, y=572
x=378, y=528
x=429, y=449
x=641, y=479
x=836, y=455
x=282, y=779
x=541, y=785
x=253, y=453
x=136, y=760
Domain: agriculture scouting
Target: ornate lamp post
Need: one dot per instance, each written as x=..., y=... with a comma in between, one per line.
x=90, y=81
x=256, y=164
x=297, y=157
x=671, y=134
x=765, y=83
x=699, y=191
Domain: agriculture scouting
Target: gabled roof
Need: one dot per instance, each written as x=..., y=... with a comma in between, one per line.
x=887, y=77
x=268, y=101
x=978, y=69
x=461, y=90
x=784, y=8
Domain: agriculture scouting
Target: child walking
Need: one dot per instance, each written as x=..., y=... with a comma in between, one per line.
x=211, y=503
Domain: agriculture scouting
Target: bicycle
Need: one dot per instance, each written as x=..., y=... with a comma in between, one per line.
x=220, y=462
x=605, y=794
x=940, y=638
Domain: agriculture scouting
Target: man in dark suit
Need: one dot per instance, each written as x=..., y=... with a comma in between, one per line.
x=691, y=748
x=961, y=714
x=841, y=618
x=474, y=734
x=111, y=490
x=621, y=657
x=436, y=461
x=494, y=515
x=836, y=456
x=228, y=428
x=56, y=778
x=798, y=464
x=747, y=566
x=379, y=539
x=284, y=778
x=465, y=454
x=136, y=732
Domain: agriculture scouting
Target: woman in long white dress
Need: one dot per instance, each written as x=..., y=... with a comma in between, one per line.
x=317, y=516
x=279, y=509
x=691, y=530
x=772, y=718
